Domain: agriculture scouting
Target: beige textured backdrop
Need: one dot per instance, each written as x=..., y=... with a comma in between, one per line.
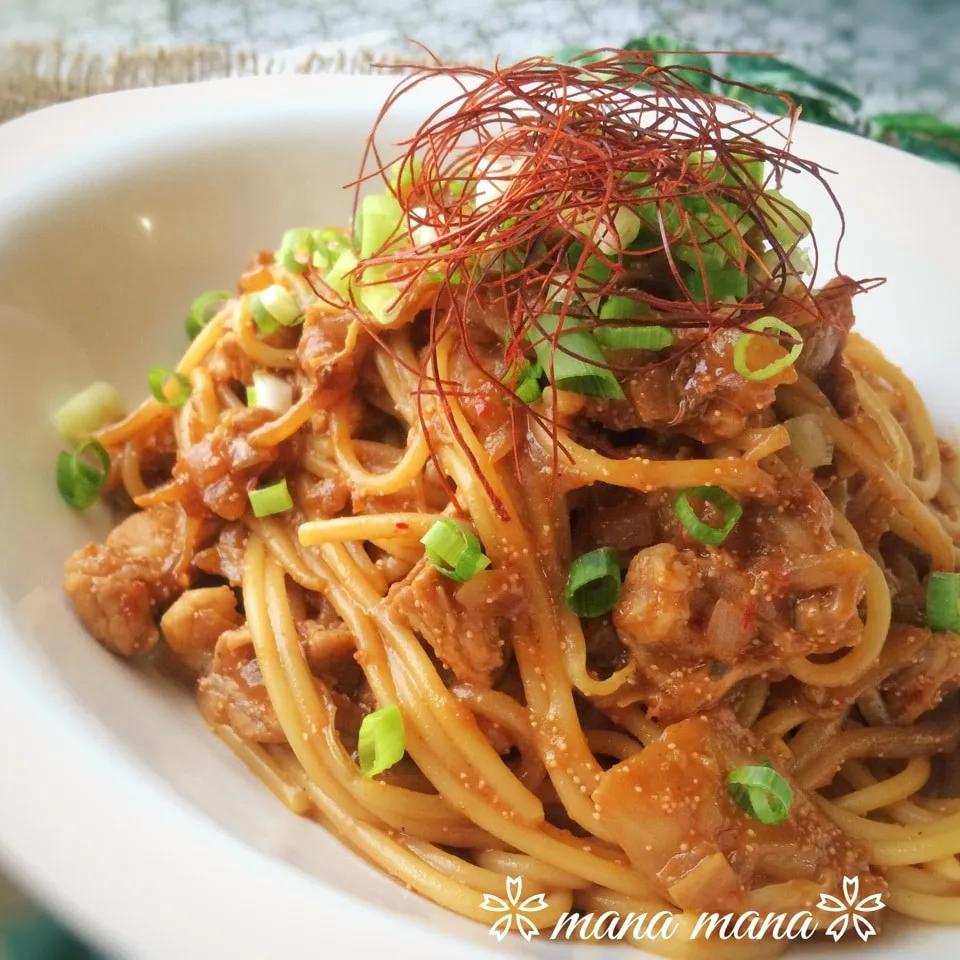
x=37, y=75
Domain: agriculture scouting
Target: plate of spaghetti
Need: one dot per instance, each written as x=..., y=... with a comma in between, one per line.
x=525, y=518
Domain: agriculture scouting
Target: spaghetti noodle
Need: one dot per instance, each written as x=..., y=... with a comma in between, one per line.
x=621, y=604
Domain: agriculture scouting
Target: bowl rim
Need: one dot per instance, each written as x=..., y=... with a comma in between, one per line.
x=58, y=753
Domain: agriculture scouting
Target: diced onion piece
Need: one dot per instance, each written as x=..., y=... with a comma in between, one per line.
x=204, y=309
x=90, y=409
x=700, y=531
x=267, y=501
x=454, y=550
x=626, y=227
x=495, y=177
x=727, y=629
x=78, y=482
x=809, y=441
x=943, y=602
x=423, y=233
x=761, y=792
x=380, y=743
x=274, y=307
x=169, y=387
x=577, y=363
x=594, y=583
x=760, y=325
x=270, y=392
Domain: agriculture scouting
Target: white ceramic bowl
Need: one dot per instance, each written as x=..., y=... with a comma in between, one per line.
x=116, y=805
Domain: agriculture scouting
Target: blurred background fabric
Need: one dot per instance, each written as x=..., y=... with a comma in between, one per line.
x=898, y=54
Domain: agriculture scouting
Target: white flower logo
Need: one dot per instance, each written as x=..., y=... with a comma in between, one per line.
x=514, y=909
x=851, y=907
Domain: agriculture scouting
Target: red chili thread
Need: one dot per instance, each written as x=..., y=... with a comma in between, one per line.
x=562, y=147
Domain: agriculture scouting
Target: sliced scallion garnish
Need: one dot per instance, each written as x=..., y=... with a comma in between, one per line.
x=525, y=380
x=454, y=550
x=79, y=482
x=943, y=602
x=760, y=325
x=267, y=501
x=168, y=387
x=274, y=307
x=328, y=244
x=378, y=223
x=528, y=388
x=577, y=364
x=204, y=309
x=594, y=582
x=380, y=743
x=761, y=792
x=296, y=249
x=90, y=409
x=634, y=338
x=700, y=531
x=809, y=441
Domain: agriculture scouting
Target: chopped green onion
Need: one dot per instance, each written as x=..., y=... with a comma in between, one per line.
x=808, y=440
x=528, y=388
x=623, y=308
x=159, y=380
x=525, y=378
x=594, y=582
x=296, y=249
x=379, y=297
x=333, y=238
x=251, y=396
x=786, y=222
x=577, y=362
x=328, y=245
x=454, y=550
x=204, y=309
x=78, y=482
x=267, y=501
x=273, y=308
x=771, y=369
x=943, y=602
x=404, y=172
x=87, y=411
x=700, y=531
x=378, y=223
x=634, y=338
x=725, y=283
x=380, y=743
x=322, y=259
x=341, y=277
x=761, y=792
